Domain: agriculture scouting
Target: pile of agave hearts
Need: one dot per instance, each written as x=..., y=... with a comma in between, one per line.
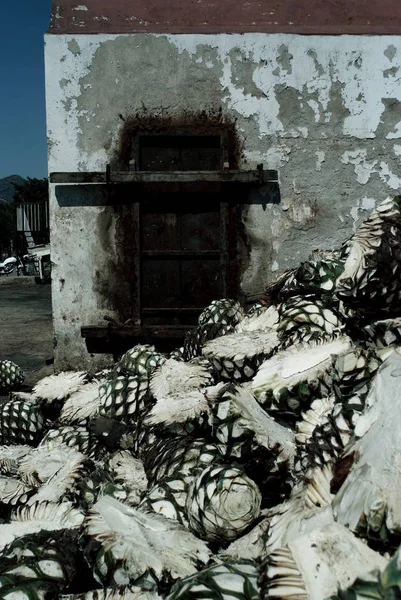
x=261, y=460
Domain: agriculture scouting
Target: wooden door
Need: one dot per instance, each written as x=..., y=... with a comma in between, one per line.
x=183, y=246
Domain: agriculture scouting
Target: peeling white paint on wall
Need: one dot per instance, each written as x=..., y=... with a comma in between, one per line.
x=273, y=158
x=322, y=110
x=67, y=60
x=320, y=158
x=364, y=204
x=356, y=62
x=363, y=167
x=388, y=177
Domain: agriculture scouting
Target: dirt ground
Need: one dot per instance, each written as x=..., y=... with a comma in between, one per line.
x=26, y=331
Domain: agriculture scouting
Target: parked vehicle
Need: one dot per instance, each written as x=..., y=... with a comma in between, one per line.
x=8, y=266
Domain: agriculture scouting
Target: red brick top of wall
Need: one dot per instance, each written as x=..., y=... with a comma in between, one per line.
x=227, y=16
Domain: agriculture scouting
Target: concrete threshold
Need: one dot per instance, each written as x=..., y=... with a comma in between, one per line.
x=17, y=279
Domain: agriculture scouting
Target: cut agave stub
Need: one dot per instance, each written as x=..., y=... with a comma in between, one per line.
x=168, y=498
x=240, y=423
x=176, y=377
x=327, y=441
x=217, y=319
x=369, y=501
x=141, y=360
x=129, y=472
x=381, y=334
x=79, y=438
x=184, y=411
x=44, y=516
x=195, y=339
x=54, y=471
x=13, y=491
x=376, y=584
x=291, y=379
x=11, y=376
x=306, y=318
x=260, y=319
x=39, y=566
x=317, y=415
x=314, y=566
x=10, y=456
x=20, y=422
x=317, y=436
x=352, y=373
x=231, y=581
x=122, y=592
x=238, y=355
x=308, y=508
x=134, y=543
x=174, y=457
x=316, y=276
x=250, y=546
x=226, y=311
x=97, y=483
x=222, y=503
x=124, y=397
x=83, y=404
x=59, y=387
x=370, y=282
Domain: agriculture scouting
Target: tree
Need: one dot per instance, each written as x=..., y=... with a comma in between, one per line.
x=33, y=190
x=7, y=228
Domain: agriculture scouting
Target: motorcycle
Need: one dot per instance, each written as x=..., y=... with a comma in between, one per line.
x=10, y=265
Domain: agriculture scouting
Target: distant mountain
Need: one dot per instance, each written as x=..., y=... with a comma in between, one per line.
x=7, y=189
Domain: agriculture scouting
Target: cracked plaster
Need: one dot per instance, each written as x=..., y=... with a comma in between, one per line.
x=324, y=111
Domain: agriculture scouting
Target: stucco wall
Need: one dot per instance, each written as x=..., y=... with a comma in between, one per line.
x=323, y=110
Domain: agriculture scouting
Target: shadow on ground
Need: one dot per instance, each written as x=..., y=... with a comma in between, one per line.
x=26, y=330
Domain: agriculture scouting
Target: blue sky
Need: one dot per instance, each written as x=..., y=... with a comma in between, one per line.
x=22, y=95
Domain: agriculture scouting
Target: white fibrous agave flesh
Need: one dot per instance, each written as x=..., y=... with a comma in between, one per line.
x=183, y=406
x=300, y=371
x=13, y=491
x=237, y=356
x=129, y=472
x=250, y=546
x=370, y=282
x=176, y=377
x=308, y=508
x=265, y=319
x=271, y=436
x=240, y=408
x=370, y=496
x=59, y=387
x=46, y=516
x=376, y=584
x=10, y=456
x=82, y=404
x=141, y=542
x=54, y=471
x=314, y=566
